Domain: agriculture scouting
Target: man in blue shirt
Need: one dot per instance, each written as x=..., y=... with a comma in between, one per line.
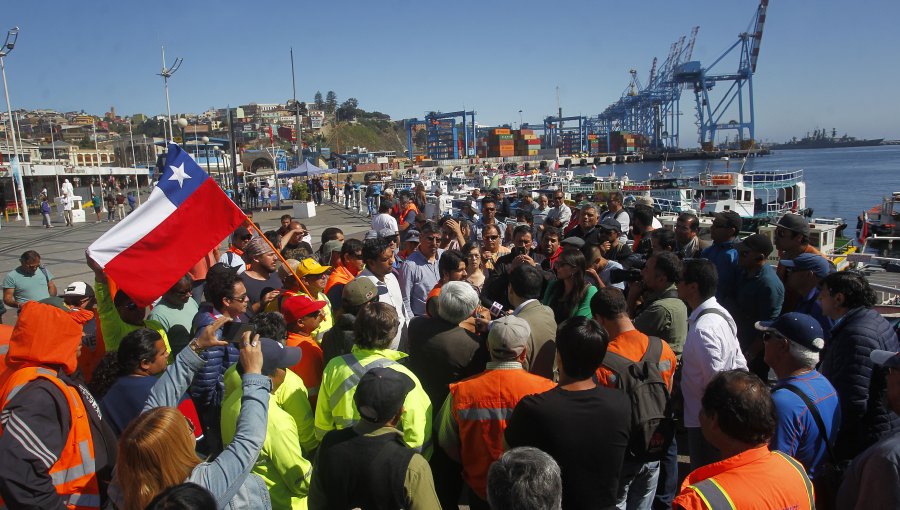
x=419, y=273
x=724, y=256
x=792, y=346
x=803, y=274
x=758, y=297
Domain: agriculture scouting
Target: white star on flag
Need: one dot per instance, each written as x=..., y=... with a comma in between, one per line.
x=178, y=174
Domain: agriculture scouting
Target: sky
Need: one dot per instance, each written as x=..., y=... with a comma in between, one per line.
x=823, y=64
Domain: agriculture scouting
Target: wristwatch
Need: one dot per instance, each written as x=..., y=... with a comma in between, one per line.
x=196, y=347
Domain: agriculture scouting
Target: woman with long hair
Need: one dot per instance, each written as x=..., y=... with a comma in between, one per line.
x=124, y=378
x=569, y=295
x=156, y=451
x=474, y=272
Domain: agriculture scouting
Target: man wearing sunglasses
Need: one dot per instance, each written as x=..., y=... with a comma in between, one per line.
x=420, y=273
x=175, y=311
x=489, y=208
x=28, y=282
x=792, y=345
x=234, y=256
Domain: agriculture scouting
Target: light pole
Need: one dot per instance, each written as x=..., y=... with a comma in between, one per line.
x=520, y=119
x=205, y=140
x=53, y=149
x=182, y=123
x=8, y=46
x=166, y=73
x=137, y=182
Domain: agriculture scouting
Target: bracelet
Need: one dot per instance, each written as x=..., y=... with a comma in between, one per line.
x=196, y=347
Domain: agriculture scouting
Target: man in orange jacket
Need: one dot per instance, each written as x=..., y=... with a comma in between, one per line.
x=56, y=450
x=473, y=418
x=738, y=417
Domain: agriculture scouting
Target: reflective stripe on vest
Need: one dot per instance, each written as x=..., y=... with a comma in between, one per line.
x=484, y=413
x=713, y=495
x=802, y=472
x=86, y=467
x=716, y=498
x=74, y=472
x=353, y=379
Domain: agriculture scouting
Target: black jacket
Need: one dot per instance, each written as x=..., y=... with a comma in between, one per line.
x=860, y=385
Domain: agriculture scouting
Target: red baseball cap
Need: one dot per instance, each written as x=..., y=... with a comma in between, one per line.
x=296, y=307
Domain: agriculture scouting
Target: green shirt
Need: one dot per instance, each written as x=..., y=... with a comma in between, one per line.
x=176, y=321
x=27, y=287
x=114, y=328
x=666, y=318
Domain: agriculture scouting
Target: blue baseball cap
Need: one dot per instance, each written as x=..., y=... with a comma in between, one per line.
x=819, y=265
x=796, y=327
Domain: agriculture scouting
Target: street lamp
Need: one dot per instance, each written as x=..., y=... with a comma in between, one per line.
x=205, y=140
x=166, y=73
x=182, y=123
x=8, y=46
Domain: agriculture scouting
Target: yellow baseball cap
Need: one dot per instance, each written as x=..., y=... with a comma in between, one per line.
x=310, y=266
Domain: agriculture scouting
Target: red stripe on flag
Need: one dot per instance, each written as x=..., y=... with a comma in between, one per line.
x=149, y=267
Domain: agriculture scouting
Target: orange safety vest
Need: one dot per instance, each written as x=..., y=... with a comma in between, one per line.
x=756, y=479
x=311, y=364
x=74, y=472
x=340, y=276
x=410, y=206
x=433, y=294
x=481, y=407
x=5, y=335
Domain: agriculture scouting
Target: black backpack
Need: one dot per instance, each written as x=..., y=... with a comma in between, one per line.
x=652, y=418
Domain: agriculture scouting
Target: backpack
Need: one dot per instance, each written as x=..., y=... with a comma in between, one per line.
x=652, y=418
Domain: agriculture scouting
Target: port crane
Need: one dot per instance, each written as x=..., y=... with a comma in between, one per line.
x=651, y=110
x=711, y=113
x=442, y=134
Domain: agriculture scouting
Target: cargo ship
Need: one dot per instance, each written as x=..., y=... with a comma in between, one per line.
x=820, y=140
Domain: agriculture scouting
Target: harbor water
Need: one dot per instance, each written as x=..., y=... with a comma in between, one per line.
x=840, y=182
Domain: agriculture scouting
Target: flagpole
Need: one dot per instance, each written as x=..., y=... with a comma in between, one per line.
x=278, y=253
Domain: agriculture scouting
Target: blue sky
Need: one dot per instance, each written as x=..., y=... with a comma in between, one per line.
x=824, y=63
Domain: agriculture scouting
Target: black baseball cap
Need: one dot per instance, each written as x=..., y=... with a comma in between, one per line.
x=757, y=242
x=610, y=223
x=887, y=359
x=794, y=223
x=380, y=394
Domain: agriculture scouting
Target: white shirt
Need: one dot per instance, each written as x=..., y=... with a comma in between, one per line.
x=384, y=220
x=710, y=347
x=561, y=213
x=389, y=292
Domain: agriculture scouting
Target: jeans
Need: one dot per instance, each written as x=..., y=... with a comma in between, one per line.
x=702, y=453
x=47, y=222
x=637, y=485
x=667, y=486
x=370, y=203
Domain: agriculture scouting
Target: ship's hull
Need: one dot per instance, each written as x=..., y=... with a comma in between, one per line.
x=826, y=144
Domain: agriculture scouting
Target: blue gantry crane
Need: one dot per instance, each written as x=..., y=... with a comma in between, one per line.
x=443, y=133
x=651, y=110
x=739, y=94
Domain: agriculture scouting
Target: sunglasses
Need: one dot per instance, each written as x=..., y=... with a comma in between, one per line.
x=489, y=209
x=491, y=238
x=239, y=298
x=434, y=239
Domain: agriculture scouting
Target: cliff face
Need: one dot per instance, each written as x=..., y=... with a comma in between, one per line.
x=373, y=134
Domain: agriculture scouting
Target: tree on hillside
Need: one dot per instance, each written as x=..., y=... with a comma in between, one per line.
x=318, y=101
x=330, y=102
x=348, y=110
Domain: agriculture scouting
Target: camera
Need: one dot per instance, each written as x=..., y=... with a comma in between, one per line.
x=632, y=275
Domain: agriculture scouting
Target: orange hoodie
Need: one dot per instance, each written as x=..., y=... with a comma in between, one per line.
x=44, y=336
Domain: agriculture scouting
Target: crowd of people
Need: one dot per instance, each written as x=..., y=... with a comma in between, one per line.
x=523, y=354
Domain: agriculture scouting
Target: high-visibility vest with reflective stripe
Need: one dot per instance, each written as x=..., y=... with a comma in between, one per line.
x=335, y=408
x=481, y=407
x=724, y=492
x=74, y=472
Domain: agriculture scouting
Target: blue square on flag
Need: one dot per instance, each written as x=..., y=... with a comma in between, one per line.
x=181, y=176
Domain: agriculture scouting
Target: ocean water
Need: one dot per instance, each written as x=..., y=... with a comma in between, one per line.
x=839, y=182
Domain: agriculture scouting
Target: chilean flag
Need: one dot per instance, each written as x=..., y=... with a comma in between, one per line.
x=186, y=216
